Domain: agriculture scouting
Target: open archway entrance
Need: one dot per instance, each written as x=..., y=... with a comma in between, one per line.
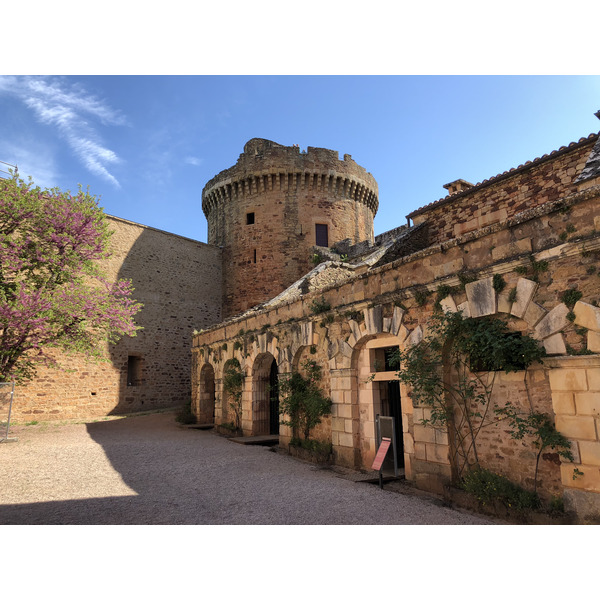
x=265, y=401
x=206, y=404
x=379, y=396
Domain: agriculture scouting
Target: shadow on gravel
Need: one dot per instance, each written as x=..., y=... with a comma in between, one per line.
x=151, y=454
x=172, y=475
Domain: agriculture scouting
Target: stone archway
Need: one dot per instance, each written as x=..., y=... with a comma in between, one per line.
x=206, y=398
x=265, y=395
x=378, y=392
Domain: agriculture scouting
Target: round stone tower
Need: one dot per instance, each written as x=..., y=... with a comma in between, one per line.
x=273, y=206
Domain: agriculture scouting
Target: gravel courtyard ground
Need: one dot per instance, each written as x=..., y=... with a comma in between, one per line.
x=148, y=470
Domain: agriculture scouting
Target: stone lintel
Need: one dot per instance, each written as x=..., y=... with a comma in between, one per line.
x=587, y=316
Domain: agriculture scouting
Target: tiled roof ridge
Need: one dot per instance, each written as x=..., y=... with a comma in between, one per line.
x=526, y=165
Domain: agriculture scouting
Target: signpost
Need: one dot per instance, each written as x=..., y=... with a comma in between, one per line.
x=385, y=431
x=379, y=458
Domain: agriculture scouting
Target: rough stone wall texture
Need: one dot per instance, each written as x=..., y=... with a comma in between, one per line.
x=541, y=252
x=178, y=281
x=288, y=193
x=501, y=197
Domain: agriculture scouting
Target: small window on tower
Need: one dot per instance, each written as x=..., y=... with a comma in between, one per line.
x=322, y=239
x=249, y=218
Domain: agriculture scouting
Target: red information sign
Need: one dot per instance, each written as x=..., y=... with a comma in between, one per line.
x=383, y=448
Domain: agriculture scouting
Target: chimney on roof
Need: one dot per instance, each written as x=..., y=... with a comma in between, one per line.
x=460, y=185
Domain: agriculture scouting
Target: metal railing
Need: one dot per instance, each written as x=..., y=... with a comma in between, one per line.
x=4, y=174
x=7, y=393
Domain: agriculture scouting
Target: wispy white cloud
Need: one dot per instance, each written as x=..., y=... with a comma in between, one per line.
x=193, y=160
x=72, y=111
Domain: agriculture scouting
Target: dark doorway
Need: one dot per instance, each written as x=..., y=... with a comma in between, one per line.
x=391, y=407
x=273, y=400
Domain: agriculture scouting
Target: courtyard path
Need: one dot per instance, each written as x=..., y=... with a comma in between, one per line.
x=148, y=470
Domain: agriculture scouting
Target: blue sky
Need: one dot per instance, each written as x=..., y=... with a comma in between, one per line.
x=147, y=144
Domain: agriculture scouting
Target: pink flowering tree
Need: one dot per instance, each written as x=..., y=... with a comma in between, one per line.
x=53, y=293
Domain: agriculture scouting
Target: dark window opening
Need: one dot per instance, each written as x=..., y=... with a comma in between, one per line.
x=255, y=256
x=250, y=218
x=134, y=370
x=321, y=235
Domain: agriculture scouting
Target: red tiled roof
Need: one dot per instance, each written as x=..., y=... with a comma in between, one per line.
x=530, y=163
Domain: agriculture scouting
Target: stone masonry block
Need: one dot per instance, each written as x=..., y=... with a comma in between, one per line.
x=563, y=403
x=345, y=439
x=593, y=341
x=567, y=380
x=587, y=316
x=464, y=308
x=512, y=249
x=534, y=314
x=436, y=453
x=306, y=333
x=555, y=344
x=588, y=403
x=396, y=320
x=553, y=322
x=448, y=304
x=525, y=292
x=415, y=336
x=593, y=377
x=373, y=319
x=590, y=453
x=423, y=433
x=402, y=334
x=337, y=424
x=580, y=428
x=481, y=297
x=590, y=480
x=420, y=453
x=355, y=329
x=504, y=304
x=386, y=324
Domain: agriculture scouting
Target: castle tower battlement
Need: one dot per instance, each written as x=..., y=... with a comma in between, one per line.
x=273, y=205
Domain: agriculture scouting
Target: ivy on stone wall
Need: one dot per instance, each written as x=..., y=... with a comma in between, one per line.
x=452, y=372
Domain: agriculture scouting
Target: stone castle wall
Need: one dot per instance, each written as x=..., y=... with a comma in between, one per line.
x=178, y=281
x=541, y=252
x=543, y=180
x=288, y=193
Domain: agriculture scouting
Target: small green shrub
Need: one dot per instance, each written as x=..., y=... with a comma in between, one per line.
x=421, y=297
x=185, y=416
x=301, y=399
x=571, y=297
x=512, y=295
x=319, y=305
x=465, y=278
x=355, y=315
x=488, y=487
x=498, y=283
